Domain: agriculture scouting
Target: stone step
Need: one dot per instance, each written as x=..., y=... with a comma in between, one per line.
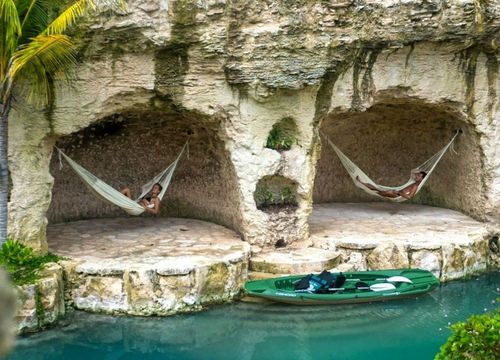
x=299, y=261
x=257, y=275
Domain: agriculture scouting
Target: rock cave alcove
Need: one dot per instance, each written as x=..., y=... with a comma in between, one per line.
x=283, y=135
x=435, y=229
x=389, y=139
x=277, y=197
x=276, y=193
x=128, y=148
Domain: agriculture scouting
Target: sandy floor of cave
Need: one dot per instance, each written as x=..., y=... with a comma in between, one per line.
x=368, y=223
x=143, y=241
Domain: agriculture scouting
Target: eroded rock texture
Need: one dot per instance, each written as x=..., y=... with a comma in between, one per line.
x=41, y=304
x=389, y=81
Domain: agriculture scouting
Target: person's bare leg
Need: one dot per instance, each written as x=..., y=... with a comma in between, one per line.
x=369, y=186
x=126, y=192
x=385, y=193
x=388, y=193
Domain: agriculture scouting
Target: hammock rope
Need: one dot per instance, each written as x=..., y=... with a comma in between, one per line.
x=110, y=194
x=359, y=177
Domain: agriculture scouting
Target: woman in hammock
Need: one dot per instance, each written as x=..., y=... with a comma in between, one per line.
x=408, y=192
x=150, y=202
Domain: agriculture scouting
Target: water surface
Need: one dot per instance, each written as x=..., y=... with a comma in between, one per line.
x=402, y=329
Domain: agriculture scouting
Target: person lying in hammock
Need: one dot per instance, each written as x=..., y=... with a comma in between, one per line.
x=150, y=202
x=407, y=192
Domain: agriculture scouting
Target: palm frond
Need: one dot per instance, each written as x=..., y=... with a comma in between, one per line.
x=10, y=29
x=9, y=15
x=34, y=85
x=78, y=9
x=37, y=63
x=34, y=17
x=25, y=8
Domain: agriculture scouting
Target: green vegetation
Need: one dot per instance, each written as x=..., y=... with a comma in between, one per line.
x=21, y=263
x=263, y=197
x=283, y=135
x=280, y=140
x=287, y=196
x=274, y=191
x=40, y=310
x=476, y=338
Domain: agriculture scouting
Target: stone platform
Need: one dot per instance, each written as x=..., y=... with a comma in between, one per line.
x=377, y=235
x=394, y=235
x=148, y=266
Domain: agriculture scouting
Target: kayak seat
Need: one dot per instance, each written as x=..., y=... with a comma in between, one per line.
x=303, y=283
x=339, y=281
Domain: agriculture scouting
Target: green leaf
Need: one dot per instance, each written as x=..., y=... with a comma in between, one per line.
x=477, y=338
x=10, y=30
x=21, y=263
x=37, y=63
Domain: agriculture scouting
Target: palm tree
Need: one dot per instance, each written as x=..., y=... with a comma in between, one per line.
x=34, y=53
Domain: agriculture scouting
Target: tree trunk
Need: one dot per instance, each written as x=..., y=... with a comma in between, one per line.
x=4, y=169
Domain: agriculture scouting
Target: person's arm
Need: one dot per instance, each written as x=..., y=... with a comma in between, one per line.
x=409, y=191
x=156, y=208
x=414, y=172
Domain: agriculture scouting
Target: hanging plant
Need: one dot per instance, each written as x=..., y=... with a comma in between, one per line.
x=283, y=135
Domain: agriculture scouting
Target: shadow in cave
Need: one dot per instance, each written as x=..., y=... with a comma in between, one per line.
x=127, y=149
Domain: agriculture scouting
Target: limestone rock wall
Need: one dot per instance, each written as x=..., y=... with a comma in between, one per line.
x=41, y=304
x=458, y=258
x=454, y=260
x=165, y=288
x=236, y=68
x=388, y=103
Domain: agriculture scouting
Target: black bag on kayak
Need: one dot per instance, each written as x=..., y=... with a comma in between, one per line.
x=311, y=283
x=315, y=283
x=328, y=278
x=303, y=283
x=321, y=282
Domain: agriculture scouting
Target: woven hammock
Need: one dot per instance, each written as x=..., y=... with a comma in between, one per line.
x=360, y=178
x=110, y=194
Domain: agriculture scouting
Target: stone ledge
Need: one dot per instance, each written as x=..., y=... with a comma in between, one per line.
x=41, y=304
x=286, y=261
x=157, y=291
x=149, y=266
x=386, y=236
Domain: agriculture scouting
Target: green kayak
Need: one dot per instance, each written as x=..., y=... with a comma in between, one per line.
x=344, y=288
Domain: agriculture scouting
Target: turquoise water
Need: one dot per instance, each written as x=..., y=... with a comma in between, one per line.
x=402, y=329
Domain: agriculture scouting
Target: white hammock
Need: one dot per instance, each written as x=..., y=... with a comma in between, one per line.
x=359, y=177
x=110, y=194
